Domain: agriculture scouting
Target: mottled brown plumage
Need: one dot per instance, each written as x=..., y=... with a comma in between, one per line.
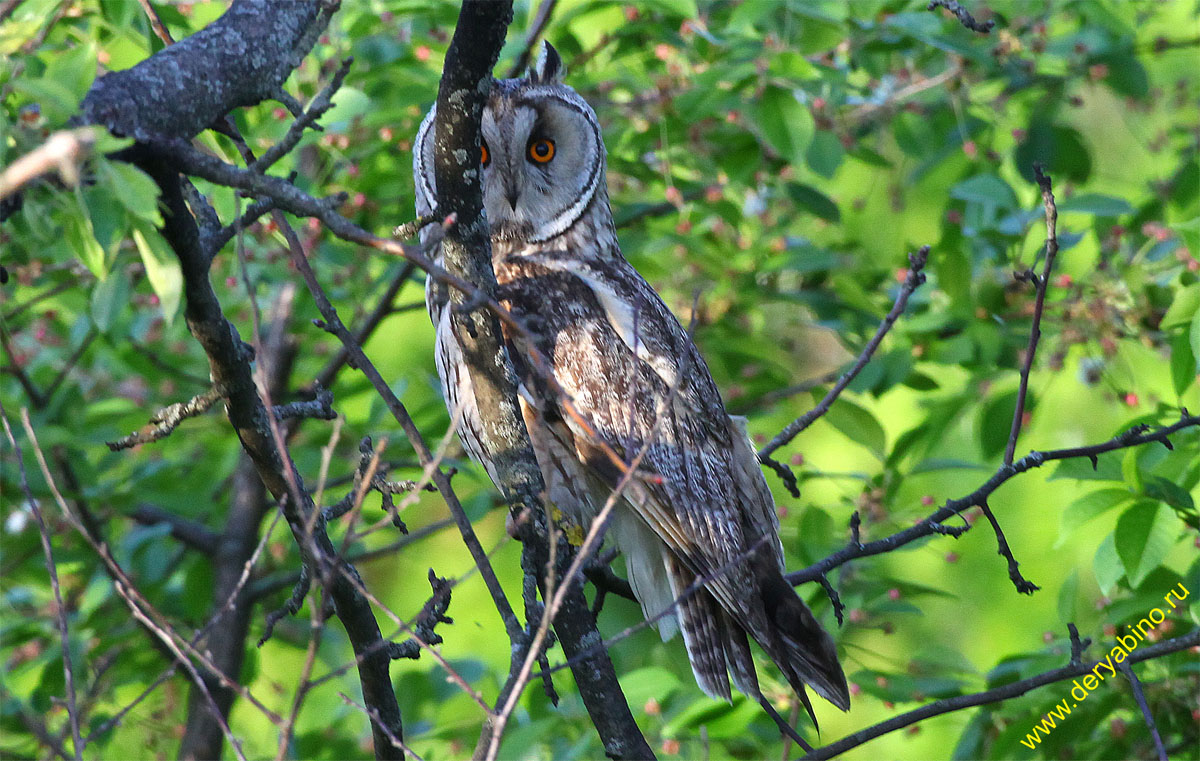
x=699, y=509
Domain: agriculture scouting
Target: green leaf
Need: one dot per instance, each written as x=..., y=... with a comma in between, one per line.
x=162, y=270
x=82, y=239
x=1194, y=335
x=109, y=296
x=133, y=188
x=1067, y=595
x=825, y=153
x=643, y=684
x=785, y=123
x=1095, y=203
x=858, y=424
x=1184, y=307
x=680, y=8
x=1089, y=506
x=1185, y=367
x=1168, y=491
x=995, y=422
x=1131, y=471
x=1144, y=535
x=814, y=201
x=1107, y=566
x=1061, y=150
x=985, y=189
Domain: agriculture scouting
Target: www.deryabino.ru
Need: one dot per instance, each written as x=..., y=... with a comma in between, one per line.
x=1126, y=644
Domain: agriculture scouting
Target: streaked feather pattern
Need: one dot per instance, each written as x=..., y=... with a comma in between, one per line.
x=633, y=372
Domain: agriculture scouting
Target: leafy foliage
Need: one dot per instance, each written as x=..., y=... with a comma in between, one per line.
x=782, y=158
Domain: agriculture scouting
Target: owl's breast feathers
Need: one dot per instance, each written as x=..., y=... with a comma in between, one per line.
x=633, y=374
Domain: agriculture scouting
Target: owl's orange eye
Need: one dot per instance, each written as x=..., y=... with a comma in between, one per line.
x=484, y=156
x=541, y=151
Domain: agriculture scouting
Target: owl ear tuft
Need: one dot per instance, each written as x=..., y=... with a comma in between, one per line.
x=549, y=67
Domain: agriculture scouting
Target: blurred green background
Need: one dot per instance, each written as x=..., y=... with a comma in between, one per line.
x=782, y=158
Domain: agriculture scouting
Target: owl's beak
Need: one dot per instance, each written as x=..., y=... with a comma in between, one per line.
x=511, y=194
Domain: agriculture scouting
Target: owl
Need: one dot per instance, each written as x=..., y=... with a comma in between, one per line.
x=698, y=508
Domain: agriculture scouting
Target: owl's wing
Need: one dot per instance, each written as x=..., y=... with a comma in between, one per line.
x=637, y=379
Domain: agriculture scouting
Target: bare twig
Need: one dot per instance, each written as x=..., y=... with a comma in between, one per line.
x=169, y=641
x=1140, y=697
x=62, y=153
x=915, y=277
x=997, y=694
x=60, y=609
x=964, y=16
x=934, y=523
x=544, y=12
x=69, y=365
x=307, y=120
x=36, y=397
x=1035, y=329
x=1023, y=585
x=50, y=292
x=362, y=332
x=191, y=533
x=166, y=420
x=156, y=23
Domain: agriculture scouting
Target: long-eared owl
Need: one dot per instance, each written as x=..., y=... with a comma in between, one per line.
x=703, y=511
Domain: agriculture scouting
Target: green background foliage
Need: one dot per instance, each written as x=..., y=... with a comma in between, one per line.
x=803, y=149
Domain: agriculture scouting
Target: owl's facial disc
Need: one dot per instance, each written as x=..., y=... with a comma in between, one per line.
x=545, y=159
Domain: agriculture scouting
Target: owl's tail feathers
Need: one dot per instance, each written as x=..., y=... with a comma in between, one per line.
x=804, y=652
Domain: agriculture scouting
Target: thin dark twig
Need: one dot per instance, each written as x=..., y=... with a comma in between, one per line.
x=1035, y=330
x=333, y=324
x=802, y=387
x=1023, y=585
x=934, y=522
x=36, y=398
x=432, y=614
x=368, y=326
x=1078, y=646
x=169, y=640
x=60, y=608
x=307, y=120
x=916, y=276
x=964, y=16
x=272, y=584
x=51, y=292
x=544, y=12
x=1140, y=697
x=373, y=715
x=215, y=241
x=997, y=694
x=36, y=726
x=69, y=364
x=191, y=533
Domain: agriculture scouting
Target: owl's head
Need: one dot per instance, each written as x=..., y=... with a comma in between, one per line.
x=542, y=156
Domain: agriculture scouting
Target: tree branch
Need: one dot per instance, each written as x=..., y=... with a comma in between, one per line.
x=915, y=277
x=963, y=15
x=1005, y=692
x=934, y=523
x=466, y=250
x=1035, y=330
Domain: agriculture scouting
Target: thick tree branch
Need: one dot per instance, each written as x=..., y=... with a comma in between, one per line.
x=241, y=59
x=171, y=96
x=466, y=249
